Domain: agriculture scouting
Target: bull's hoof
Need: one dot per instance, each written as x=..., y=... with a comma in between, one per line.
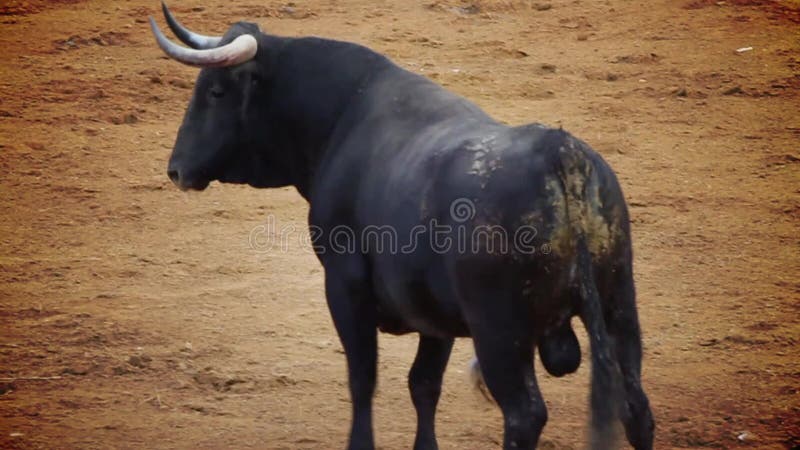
x=560, y=351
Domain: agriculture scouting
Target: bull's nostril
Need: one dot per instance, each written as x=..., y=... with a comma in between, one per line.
x=173, y=175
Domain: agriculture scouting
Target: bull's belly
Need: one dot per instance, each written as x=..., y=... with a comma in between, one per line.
x=406, y=305
x=412, y=299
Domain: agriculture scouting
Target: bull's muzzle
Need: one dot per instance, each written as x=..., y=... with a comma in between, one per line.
x=184, y=180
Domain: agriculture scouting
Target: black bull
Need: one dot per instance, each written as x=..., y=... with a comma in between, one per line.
x=504, y=233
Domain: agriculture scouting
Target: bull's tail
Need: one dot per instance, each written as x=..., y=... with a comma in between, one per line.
x=606, y=385
x=589, y=233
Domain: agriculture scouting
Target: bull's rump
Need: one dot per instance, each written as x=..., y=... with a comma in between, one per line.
x=503, y=208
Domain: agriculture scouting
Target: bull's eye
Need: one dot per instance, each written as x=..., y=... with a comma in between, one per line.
x=217, y=92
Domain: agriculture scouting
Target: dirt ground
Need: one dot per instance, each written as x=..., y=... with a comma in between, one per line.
x=133, y=315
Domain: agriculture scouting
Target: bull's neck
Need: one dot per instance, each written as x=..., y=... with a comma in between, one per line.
x=315, y=81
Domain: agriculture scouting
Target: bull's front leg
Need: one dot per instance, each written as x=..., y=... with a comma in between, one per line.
x=425, y=385
x=353, y=311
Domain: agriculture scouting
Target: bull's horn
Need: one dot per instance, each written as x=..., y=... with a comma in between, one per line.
x=241, y=49
x=187, y=36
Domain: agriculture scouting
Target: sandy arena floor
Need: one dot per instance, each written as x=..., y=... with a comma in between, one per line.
x=152, y=323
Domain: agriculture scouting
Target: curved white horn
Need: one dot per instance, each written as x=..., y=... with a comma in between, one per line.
x=187, y=36
x=241, y=50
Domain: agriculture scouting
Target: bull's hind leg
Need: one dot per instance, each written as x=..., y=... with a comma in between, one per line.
x=623, y=328
x=501, y=331
x=425, y=384
x=507, y=365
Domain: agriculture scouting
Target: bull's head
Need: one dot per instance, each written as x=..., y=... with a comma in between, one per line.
x=224, y=120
